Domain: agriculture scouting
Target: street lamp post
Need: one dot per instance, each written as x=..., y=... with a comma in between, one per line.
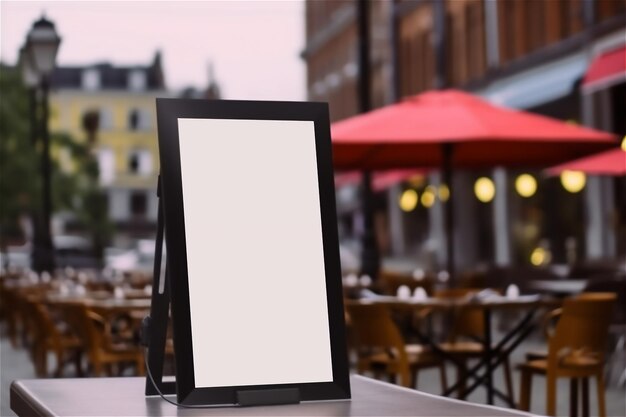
x=42, y=45
x=30, y=78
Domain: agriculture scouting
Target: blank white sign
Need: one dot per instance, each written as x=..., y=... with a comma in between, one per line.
x=255, y=259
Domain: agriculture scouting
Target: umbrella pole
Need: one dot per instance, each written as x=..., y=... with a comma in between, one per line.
x=370, y=257
x=448, y=151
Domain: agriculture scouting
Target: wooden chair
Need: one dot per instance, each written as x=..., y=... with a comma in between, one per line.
x=464, y=341
x=49, y=336
x=575, y=350
x=102, y=350
x=8, y=298
x=381, y=349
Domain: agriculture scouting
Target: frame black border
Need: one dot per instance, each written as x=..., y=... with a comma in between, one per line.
x=168, y=113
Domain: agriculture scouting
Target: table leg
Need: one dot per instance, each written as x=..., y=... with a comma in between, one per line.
x=488, y=354
x=573, y=397
x=585, y=397
x=520, y=332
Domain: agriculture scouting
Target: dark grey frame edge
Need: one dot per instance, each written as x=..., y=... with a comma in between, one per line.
x=168, y=113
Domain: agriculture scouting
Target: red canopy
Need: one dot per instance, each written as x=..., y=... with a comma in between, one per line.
x=411, y=134
x=454, y=129
x=606, y=69
x=611, y=162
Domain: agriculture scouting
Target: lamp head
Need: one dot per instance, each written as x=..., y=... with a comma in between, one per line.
x=42, y=44
x=30, y=78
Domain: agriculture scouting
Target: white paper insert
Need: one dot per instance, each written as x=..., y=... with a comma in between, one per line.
x=255, y=259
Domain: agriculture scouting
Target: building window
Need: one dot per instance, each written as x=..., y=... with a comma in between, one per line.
x=138, y=120
x=91, y=124
x=454, y=49
x=133, y=119
x=476, y=43
x=133, y=163
x=138, y=204
x=137, y=80
x=535, y=24
x=144, y=120
x=106, y=119
x=140, y=162
x=90, y=79
x=571, y=15
x=106, y=166
x=605, y=9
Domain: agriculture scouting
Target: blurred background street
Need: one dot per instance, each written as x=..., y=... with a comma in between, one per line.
x=539, y=197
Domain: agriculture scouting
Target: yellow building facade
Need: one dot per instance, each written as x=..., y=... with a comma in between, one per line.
x=125, y=143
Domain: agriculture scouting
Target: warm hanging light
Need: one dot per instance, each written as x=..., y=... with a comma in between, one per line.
x=408, y=200
x=573, y=181
x=428, y=196
x=539, y=256
x=624, y=144
x=484, y=189
x=444, y=192
x=526, y=185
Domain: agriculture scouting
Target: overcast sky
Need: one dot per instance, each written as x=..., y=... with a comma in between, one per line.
x=254, y=45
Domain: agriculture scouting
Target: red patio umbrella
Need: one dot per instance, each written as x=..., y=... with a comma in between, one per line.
x=611, y=162
x=411, y=134
x=450, y=128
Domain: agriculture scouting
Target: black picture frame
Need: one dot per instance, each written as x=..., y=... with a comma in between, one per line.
x=168, y=113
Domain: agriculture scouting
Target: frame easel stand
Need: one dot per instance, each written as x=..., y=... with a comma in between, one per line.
x=154, y=329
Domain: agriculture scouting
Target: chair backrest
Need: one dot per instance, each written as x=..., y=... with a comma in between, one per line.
x=373, y=327
x=583, y=326
x=79, y=318
x=615, y=285
x=466, y=321
x=44, y=321
x=375, y=332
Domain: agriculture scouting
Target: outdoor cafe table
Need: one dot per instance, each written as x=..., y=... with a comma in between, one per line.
x=109, y=305
x=125, y=397
x=559, y=287
x=108, y=308
x=493, y=355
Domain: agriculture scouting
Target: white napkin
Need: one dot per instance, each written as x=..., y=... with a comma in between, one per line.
x=420, y=294
x=365, y=281
x=351, y=280
x=118, y=293
x=80, y=290
x=45, y=277
x=512, y=291
x=403, y=292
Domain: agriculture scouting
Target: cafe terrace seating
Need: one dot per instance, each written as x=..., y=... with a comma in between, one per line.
x=102, y=350
x=87, y=322
x=381, y=349
x=575, y=351
x=49, y=336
